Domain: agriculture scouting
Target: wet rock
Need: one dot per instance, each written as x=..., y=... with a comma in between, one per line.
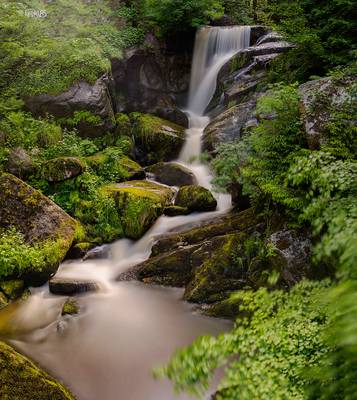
x=229, y=125
x=139, y=204
x=70, y=307
x=3, y=300
x=19, y=163
x=320, y=99
x=173, y=211
x=79, y=250
x=69, y=287
x=113, y=165
x=171, y=269
x=156, y=139
x=41, y=222
x=267, y=48
x=172, y=174
x=21, y=379
x=195, y=198
x=80, y=97
x=270, y=37
x=61, y=169
x=244, y=221
x=101, y=252
x=214, y=268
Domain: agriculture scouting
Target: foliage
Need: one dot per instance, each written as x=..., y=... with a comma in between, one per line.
x=73, y=41
x=17, y=256
x=277, y=337
x=180, y=15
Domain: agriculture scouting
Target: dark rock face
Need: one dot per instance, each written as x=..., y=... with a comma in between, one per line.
x=19, y=163
x=38, y=219
x=195, y=198
x=80, y=97
x=172, y=174
x=70, y=287
x=319, y=100
x=21, y=379
x=152, y=80
x=229, y=125
x=61, y=169
x=173, y=211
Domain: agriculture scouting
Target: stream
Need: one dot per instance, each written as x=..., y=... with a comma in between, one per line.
x=123, y=331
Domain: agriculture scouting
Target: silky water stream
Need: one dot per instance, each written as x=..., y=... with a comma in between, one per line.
x=108, y=351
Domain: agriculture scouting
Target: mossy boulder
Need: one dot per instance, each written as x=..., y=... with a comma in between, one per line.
x=21, y=379
x=13, y=289
x=113, y=165
x=123, y=124
x=156, y=139
x=172, y=174
x=139, y=204
x=45, y=227
x=173, y=211
x=195, y=198
x=61, y=168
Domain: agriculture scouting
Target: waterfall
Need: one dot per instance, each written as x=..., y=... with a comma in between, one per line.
x=214, y=46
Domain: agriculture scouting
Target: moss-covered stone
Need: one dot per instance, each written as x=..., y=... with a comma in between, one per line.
x=139, y=204
x=123, y=124
x=156, y=139
x=79, y=250
x=61, y=168
x=3, y=300
x=12, y=289
x=173, y=211
x=195, y=198
x=113, y=165
x=21, y=379
x=42, y=223
x=70, y=307
x=19, y=163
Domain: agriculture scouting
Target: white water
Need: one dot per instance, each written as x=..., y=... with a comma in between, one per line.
x=108, y=351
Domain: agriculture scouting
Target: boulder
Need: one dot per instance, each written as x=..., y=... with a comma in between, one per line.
x=69, y=287
x=3, y=300
x=320, y=100
x=79, y=250
x=229, y=125
x=172, y=174
x=156, y=139
x=173, y=211
x=195, y=198
x=81, y=96
x=139, y=204
x=21, y=379
x=98, y=253
x=19, y=163
x=112, y=165
x=42, y=223
x=61, y=168
x=13, y=289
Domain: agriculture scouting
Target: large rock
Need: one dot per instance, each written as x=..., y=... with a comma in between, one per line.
x=61, y=168
x=195, y=198
x=69, y=287
x=21, y=379
x=229, y=125
x=154, y=78
x=80, y=97
x=320, y=100
x=112, y=165
x=172, y=174
x=139, y=204
x=41, y=222
x=156, y=139
x=19, y=163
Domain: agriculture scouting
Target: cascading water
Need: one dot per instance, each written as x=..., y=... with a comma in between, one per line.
x=108, y=351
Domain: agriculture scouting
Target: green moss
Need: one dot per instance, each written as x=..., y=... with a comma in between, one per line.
x=21, y=379
x=3, y=300
x=158, y=139
x=139, y=204
x=62, y=168
x=195, y=198
x=12, y=289
x=70, y=307
x=113, y=166
x=123, y=124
